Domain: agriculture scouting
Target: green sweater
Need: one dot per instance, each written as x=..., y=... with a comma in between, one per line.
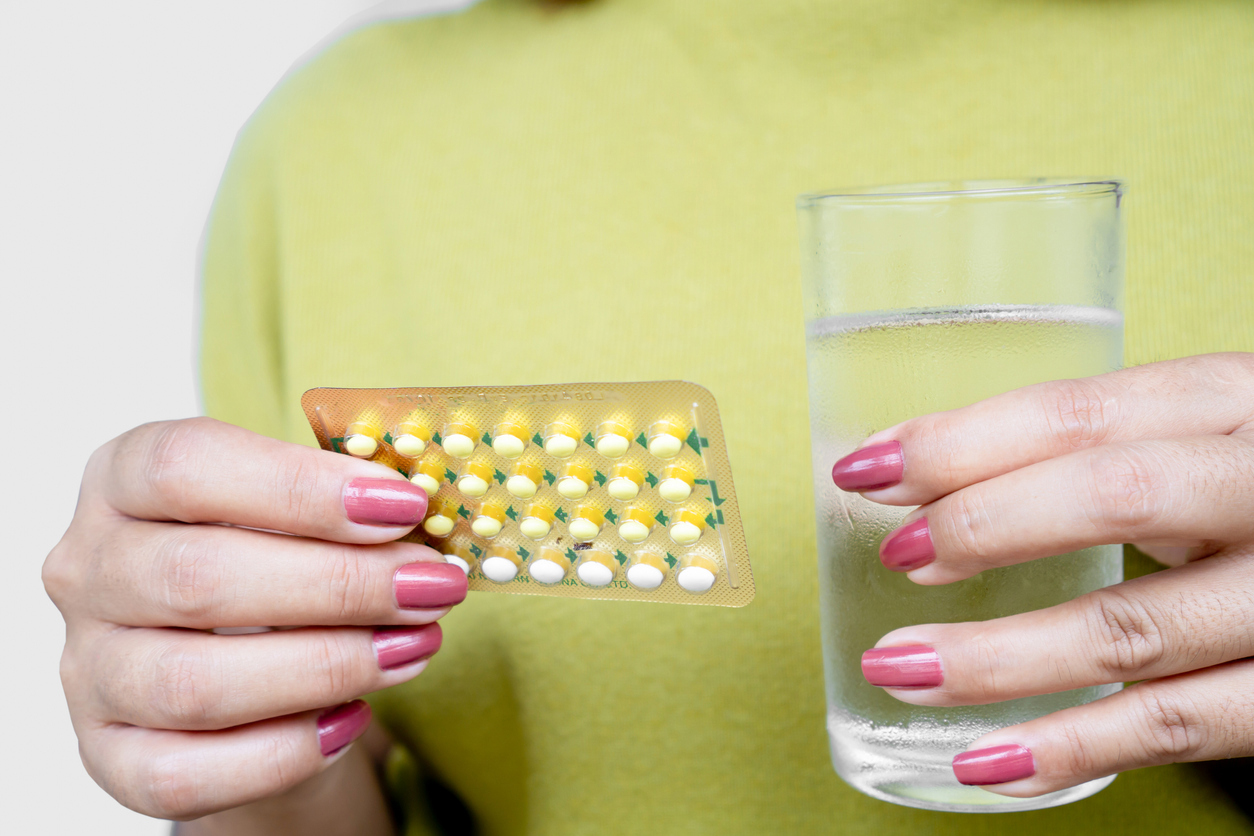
x=460, y=199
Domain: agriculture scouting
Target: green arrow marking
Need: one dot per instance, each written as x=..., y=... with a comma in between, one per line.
x=511, y=513
x=549, y=477
x=560, y=514
x=610, y=515
x=718, y=500
x=651, y=479
x=450, y=475
x=571, y=556
x=589, y=440
x=475, y=550
x=670, y=560
x=710, y=521
x=335, y=444
x=600, y=477
x=499, y=476
x=523, y=553
x=538, y=440
x=642, y=441
x=487, y=439
x=705, y=442
x=662, y=518
x=401, y=471
x=436, y=438
x=700, y=481
x=387, y=437
x=620, y=557
x=720, y=517
x=694, y=442
x=462, y=512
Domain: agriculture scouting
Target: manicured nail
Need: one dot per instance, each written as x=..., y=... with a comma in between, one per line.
x=384, y=502
x=871, y=468
x=429, y=586
x=340, y=726
x=995, y=765
x=908, y=548
x=399, y=646
x=916, y=666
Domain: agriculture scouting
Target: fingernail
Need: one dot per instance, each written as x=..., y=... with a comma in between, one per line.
x=916, y=666
x=995, y=765
x=871, y=468
x=340, y=726
x=909, y=547
x=429, y=586
x=384, y=502
x=396, y=647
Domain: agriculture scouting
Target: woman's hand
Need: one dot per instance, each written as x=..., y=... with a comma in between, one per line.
x=1161, y=456
x=177, y=531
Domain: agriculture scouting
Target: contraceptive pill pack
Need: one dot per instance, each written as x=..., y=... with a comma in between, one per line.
x=584, y=490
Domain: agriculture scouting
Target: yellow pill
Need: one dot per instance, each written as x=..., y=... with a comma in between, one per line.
x=560, y=439
x=440, y=520
x=410, y=439
x=524, y=480
x=686, y=527
x=509, y=440
x=676, y=484
x=537, y=522
x=665, y=440
x=596, y=568
x=501, y=565
x=697, y=574
x=636, y=525
x=612, y=439
x=489, y=520
x=585, y=524
x=428, y=475
x=646, y=571
x=575, y=481
x=361, y=439
x=549, y=566
x=459, y=440
x=624, y=483
x=475, y=480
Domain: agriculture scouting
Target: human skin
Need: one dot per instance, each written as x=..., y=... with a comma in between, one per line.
x=1159, y=455
x=186, y=526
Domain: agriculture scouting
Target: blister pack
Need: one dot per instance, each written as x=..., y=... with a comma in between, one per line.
x=583, y=490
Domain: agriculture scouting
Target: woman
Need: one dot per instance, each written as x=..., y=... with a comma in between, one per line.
x=460, y=200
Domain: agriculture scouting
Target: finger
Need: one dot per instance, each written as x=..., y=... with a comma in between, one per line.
x=185, y=775
x=1197, y=716
x=197, y=576
x=1183, y=619
x=933, y=455
x=205, y=471
x=178, y=679
x=1190, y=489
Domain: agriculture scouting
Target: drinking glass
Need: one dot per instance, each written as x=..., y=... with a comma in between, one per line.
x=923, y=298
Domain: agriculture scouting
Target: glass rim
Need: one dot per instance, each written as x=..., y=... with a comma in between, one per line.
x=944, y=190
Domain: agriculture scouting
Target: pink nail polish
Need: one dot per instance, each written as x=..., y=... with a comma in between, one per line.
x=995, y=765
x=396, y=647
x=384, y=502
x=340, y=726
x=909, y=547
x=429, y=586
x=915, y=666
x=871, y=468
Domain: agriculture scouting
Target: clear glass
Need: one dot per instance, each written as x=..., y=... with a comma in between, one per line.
x=919, y=299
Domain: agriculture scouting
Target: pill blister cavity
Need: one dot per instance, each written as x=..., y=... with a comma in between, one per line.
x=488, y=520
x=646, y=571
x=361, y=439
x=624, y=482
x=665, y=440
x=410, y=439
x=501, y=564
x=428, y=475
x=475, y=479
x=440, y=520
x=636, y=525
x=460, y=557
x=560, y=440
x=524, y=480
x=509, y=440
x=575, y=481
x=676, y=484
x=612, y=440
x=687, y=527
x=537, y=521
x=697, y=574
x=459, y=440
x=596, y=568
x=585, y=524
x=548, y=566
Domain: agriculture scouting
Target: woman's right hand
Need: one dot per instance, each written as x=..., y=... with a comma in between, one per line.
x=186, y=526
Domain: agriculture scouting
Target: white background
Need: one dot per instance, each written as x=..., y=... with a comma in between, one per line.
x=116, y=117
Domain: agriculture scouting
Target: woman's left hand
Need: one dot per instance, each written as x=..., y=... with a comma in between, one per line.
x=1161, y=456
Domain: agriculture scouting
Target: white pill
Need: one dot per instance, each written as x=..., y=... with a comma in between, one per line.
x=584, y=530
x=438, y=526
x=695, y=579
x=560, y=446
x=685, y=533
x=633, y=531
x=361, y=446
x=572, y=487
x=458, y=562
x=535, y=528
x=644, y=576
x=612, y=446
x=521, y=487
x=427, y=483
x=509, y=446
x=594, y=574
x=500, y=569
x=458, y=445
x=665, y=446
x=546, y=571
x=622, y=488
x=472, y=485
x=409, y=445
x=674, y=490
x=486, y=527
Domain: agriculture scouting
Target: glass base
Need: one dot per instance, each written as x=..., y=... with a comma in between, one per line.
x=914, y=769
